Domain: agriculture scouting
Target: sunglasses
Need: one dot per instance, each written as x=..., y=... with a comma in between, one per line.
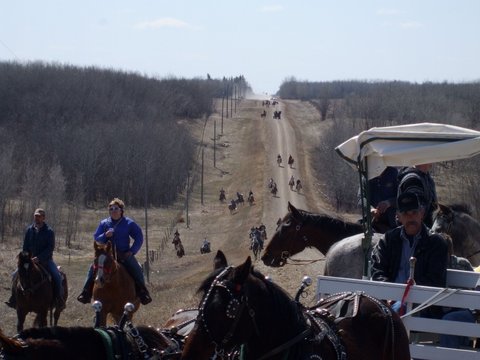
x=113, y=208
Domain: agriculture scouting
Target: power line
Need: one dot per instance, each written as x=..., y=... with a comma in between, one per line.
x=10, y=50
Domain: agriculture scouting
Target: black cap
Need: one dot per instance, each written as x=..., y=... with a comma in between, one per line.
x=408, y=201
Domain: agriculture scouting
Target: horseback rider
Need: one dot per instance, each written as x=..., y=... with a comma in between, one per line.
x=299, y=185
x=290, y=160
x=233, y=204
x=251, y=199
x=39, y=241
x=119, y=229
x=176, y=237
x=274, y=188
x=279, y=159
x=291, y=182
x=206, y=245
x=239, y=197
x=222, y=194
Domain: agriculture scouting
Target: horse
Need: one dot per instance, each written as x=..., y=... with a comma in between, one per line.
x=222, y=196
x=251, y=199
x=232, y=206
x=255, y=244
x=113, y=286
x=34, y=292
x=179, y=249
x=241, y=308
x=79, y=343
x=274, y=190
x=279, y=160
x=290, y=161
x=300, y=229
x=205, y=248
x=240, y=199
x=299, y=186
x=456, y=221
x=263, y=114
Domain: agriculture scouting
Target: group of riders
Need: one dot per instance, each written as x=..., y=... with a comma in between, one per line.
x=204, y=248
x=290, y=160
x=239, y=200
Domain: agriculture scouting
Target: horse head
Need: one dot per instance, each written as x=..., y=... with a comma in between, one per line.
x=287, y=240
x=104, y=263
x=241, y=306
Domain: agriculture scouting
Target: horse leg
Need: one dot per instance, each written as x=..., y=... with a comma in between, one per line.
x=41, y=319
x=21, y=315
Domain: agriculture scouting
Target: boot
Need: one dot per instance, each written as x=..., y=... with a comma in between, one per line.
x=12, y=302
x=143, y=294
x=86, y=296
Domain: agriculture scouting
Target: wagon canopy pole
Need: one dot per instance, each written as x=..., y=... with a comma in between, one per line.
x=366, y=215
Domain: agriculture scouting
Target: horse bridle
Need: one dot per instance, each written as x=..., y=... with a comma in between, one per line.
x=234, y=310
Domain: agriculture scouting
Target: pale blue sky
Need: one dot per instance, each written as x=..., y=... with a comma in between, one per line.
x=266, y=41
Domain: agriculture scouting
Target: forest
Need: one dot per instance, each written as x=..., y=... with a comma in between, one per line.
x=78, y=136
x=355, y=106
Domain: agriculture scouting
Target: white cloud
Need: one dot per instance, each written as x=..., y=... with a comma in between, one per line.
x=411, y=25
x=163, y=23
x=388, y=12
x=271, y=8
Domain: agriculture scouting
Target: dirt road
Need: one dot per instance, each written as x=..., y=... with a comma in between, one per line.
x=245, y=158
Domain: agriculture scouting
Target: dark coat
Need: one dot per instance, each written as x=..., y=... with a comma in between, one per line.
x=431, y=253
x=41, y=244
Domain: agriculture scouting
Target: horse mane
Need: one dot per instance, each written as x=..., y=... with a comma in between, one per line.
x=324, y=218
x=464, y=208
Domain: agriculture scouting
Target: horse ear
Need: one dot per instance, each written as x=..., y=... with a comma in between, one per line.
x=95, y=245
x=109, y=246
x=242, y=271
x=444, y=209
x=220, y=260
x=293, y=210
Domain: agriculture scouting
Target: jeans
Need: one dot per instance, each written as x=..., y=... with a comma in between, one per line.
x=454, y=341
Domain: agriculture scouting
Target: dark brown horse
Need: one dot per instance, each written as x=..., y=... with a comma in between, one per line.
x=114, y=287
x=34, y=292
x=300, y=229
x=242, y=308
x=81, y=343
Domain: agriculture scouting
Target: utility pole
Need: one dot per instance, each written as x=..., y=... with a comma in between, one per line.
x=201, y=182
x=214, y=143
x=147, y=257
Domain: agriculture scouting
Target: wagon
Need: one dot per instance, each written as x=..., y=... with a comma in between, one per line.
x=370, y=153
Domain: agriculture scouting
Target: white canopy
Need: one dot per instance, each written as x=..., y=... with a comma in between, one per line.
x=408, y=145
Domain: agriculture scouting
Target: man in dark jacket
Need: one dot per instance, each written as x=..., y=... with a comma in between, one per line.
x=392, y=254
x=39, y=241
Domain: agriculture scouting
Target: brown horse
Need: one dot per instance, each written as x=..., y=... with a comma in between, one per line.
x=114, y=287
x=242, y=308
x=34, y=292
x=300, y=229
x=80, y=343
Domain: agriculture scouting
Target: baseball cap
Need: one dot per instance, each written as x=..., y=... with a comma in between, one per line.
x=408, y=201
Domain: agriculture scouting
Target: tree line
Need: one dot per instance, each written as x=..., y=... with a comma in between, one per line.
x=78, y=136
x=355, y=106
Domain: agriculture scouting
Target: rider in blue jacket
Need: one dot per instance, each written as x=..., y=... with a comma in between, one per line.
x=119, y=229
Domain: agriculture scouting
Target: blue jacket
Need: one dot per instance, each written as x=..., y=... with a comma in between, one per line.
x=40, y=244
x=124, y=229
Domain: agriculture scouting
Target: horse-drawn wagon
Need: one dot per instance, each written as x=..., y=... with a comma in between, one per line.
x=370, y=153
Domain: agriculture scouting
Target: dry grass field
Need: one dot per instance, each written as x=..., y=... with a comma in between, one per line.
x=242, y=158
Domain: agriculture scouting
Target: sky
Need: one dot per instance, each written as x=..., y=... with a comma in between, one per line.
x=265, y=41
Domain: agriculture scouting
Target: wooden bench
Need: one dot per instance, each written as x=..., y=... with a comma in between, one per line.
x=454, y=296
